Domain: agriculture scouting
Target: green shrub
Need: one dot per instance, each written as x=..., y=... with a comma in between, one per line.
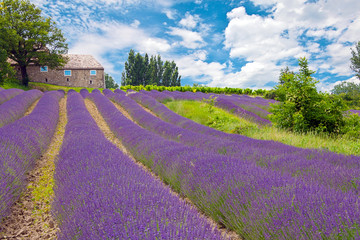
x=302, y=108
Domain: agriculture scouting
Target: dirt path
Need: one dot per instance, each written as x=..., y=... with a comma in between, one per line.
x=31, y=108
x=30, y=217
x=112, y=138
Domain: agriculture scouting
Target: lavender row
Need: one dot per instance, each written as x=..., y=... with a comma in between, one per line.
x=169, y=130
x=7, y=94
x=101, y=194
x=258, y=105
x=330, y=169
x=21, y=144
x=355, y=111
x=255, y=202
x=16, y=107
x=222, y=101
x=160, y=96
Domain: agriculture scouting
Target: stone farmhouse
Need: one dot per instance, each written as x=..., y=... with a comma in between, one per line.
x=79, y=71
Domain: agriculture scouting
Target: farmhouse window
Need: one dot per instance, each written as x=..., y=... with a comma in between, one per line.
x=67, y=79
x=92, y=72
x=46, y=80
x=43, y=69
x=67, y=72
x=90, y=81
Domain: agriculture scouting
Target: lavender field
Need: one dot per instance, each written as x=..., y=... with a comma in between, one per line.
x=172, y=178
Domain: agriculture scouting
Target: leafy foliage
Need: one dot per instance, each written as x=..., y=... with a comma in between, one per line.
x=141, y=70
x=355, y=60
x=302, y=108
x=110, y=82
x=203, y=89
x=349, y=92
x=6, y=71
x=29, y=38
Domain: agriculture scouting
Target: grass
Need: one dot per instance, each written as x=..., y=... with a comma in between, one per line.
x=13, y=84
x=222, y=120
x=211, y=116
x=43, y=87
x=49, y=87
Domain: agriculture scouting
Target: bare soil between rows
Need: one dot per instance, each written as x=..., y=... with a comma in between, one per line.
x=30, y=218
x=112, y=138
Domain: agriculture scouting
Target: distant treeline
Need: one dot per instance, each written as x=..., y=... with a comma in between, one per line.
x=203, y=89
x=141, y=70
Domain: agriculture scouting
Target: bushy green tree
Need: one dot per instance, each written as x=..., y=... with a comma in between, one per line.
x=303, y=108
x=6, y=71
x=144, y=71
x=30, y=38
x=355, y=59
x=110, y=82
x=349, y=92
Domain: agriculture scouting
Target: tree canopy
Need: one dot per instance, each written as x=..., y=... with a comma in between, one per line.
x=110, y=82
x=302, y=108
x=355, y=59
x=6, y=71
x=29, y=38
x=348, y=91
x=141, y=70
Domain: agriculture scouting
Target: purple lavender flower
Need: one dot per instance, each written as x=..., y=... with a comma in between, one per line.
x=282, y=193
x=21, y=143
x=84, y=92
x=355, y=111
x=101, y=194
x=7, y=94
x=17, y=106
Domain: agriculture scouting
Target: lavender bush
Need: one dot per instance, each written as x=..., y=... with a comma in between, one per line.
x=101, y=194
x=268, y=154
x=21, y=144
x=7, y=94
x=16, y=107
x=228, y=103
x=119, y=91
x=355, y=111
x=84, y=92
x=251, y=195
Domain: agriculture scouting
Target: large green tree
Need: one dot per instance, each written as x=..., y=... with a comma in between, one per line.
x=355, y=59
x=348, y=91
x=302, y=108
x=110, y=82
x=6, y=71
x=141, y=70
x=29, y=38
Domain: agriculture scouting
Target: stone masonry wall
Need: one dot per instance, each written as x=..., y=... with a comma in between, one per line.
x=78, y=78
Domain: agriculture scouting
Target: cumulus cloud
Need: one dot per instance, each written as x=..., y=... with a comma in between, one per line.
x=190, y=39
x=190, y=21
x=114, y=37
x=292, y=29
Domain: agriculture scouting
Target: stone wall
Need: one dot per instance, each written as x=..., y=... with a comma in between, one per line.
x=78, y=78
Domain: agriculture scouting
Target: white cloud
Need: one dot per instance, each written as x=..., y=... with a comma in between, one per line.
x=284, y=34
x=255, y=38
x=171, y=14
x=190, y=21
x=115, y=36
x=327, y=87
x=135, y=24
x=190, y=39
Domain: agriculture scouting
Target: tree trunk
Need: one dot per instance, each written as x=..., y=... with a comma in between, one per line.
x=24, y=76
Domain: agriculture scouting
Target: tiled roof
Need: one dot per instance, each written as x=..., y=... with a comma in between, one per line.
x=77, y=61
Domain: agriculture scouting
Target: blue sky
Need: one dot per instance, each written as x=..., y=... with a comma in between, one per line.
x=218, y=43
